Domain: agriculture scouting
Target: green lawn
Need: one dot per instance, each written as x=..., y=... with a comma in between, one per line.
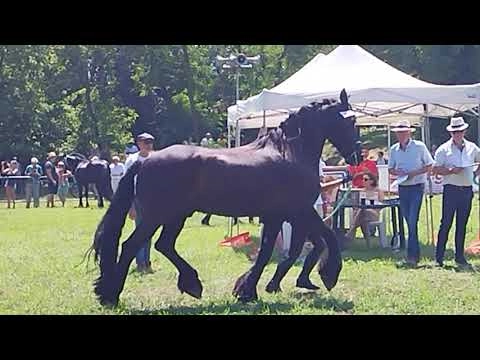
x=42, y=248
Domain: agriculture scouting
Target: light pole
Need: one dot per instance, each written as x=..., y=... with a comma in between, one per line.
x=236, y=63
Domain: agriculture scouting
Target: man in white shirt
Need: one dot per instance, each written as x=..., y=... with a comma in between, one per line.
x=410, y=160
x=145, y=144
x=117, y=170
x=455, y=161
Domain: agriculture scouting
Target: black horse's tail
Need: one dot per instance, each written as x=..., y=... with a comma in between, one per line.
x=107, y=235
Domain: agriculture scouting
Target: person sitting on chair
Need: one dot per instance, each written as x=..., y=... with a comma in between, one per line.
x=362, y=217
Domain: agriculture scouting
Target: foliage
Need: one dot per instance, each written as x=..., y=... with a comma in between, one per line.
x=95, y=98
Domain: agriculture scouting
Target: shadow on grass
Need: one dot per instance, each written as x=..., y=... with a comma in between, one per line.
x=316, y=301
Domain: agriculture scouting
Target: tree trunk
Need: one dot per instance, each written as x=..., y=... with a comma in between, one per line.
x=191, y=92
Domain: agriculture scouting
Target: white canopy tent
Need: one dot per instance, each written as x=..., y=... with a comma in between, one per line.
x=379, y=93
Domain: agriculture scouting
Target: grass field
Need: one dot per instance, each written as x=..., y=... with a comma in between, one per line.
x=41, y=250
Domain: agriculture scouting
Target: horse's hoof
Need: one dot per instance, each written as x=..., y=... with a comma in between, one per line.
x=190, y=285
x=306, y=284
x=247, y=298
x=243, y=292
x=109, y=304
x=329, y=278
x=273, y=288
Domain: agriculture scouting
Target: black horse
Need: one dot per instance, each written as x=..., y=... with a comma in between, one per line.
x=90, y=172
x=275, y=178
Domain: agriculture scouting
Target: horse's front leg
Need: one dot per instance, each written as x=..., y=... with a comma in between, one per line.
x=100, y=201
x=80, y=195
x=86, y=196
x=299, y=232
x=246, y=286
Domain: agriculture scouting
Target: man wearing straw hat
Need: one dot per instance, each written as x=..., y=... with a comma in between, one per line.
x=455, y=161
x=410, y=160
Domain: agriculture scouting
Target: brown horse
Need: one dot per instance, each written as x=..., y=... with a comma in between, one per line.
x=275, y=178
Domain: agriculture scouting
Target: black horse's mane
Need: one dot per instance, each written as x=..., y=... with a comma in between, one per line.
x=278, y=136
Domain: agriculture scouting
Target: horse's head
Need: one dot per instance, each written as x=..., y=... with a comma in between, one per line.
x=331, y=120
x=71, y=162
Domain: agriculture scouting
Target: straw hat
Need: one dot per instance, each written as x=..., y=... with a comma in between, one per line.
x=457, y=124
x=402, y=125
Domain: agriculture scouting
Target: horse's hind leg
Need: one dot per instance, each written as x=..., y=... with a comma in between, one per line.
x=111, y=285
x=299, y=233
x=246, y=286
x=188, y=277
x=130, y=248
x=330, y=269
x=303, y=280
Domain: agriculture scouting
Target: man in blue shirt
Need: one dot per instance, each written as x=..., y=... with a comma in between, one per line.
x=410, y=160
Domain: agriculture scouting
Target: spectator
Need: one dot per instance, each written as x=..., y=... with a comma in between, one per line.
x=366, y=165
x=411, y=160
x=52, y=178
x=362, y=217
x=4, y=166
x=63, y=174
x=131, y=149
x=207, y=141
x=11, y=184
x=145, y=144
x=117, y=170
x=33, y=187
x=319, y=203
x=380, y=159
x=455, y=160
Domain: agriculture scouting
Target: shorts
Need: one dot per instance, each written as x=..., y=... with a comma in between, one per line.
x=52, y=188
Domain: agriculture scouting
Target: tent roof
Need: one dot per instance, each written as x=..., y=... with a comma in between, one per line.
x=374, y=88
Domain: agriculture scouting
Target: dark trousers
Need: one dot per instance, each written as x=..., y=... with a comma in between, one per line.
x=456, y=200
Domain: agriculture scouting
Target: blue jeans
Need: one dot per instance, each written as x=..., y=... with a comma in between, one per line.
x=456, y=200
x=143, y=255
x=410, y=204
x=32, y=189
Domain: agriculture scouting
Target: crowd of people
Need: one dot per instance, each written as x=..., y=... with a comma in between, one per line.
x=53, y=173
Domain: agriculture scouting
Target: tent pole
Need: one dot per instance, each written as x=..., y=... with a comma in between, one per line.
x=237, y=135
x=229, y=135
x=478, y=126
x=389, y=144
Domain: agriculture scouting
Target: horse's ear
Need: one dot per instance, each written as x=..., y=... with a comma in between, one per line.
x=344, y=97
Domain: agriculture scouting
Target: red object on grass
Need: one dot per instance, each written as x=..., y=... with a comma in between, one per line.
x=239, y=240
x=474, y=248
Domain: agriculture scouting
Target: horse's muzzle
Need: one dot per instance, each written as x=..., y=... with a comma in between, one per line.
x=356, y=155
